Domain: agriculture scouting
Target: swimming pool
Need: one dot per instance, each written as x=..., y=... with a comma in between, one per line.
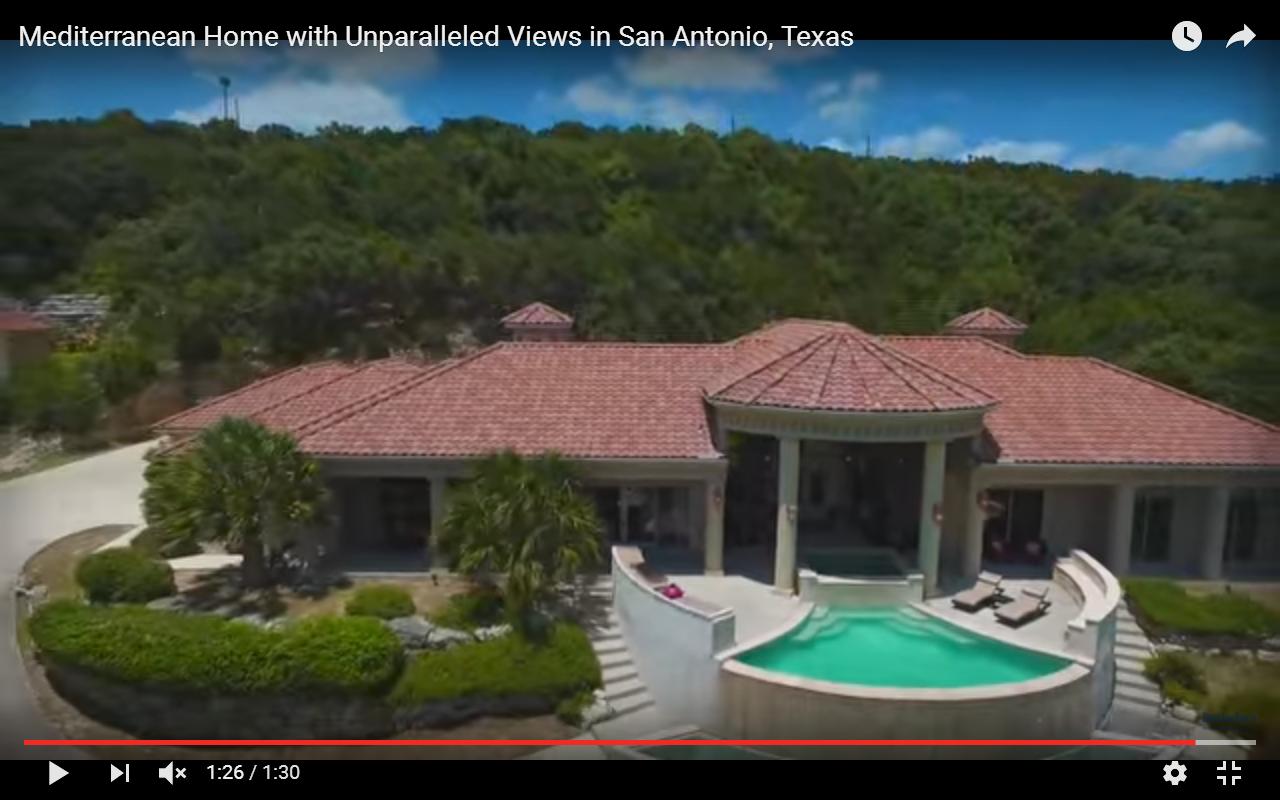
x=896, y=647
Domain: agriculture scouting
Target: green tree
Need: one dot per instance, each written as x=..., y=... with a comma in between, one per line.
x=526, y=519
x=58, y=395
x=241, y=484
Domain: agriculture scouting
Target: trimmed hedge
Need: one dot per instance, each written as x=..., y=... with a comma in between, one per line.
x=124, y=575
x=381, y=601
x=1169, y=607
x=561, y=666
x=210, y=655
x=477, y=608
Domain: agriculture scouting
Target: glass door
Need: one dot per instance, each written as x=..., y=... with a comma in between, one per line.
x=1152, y=527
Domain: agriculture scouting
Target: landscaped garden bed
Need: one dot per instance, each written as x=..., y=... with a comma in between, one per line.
x=1228, y=620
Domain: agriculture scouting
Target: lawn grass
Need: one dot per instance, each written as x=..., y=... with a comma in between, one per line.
x=1169, y=608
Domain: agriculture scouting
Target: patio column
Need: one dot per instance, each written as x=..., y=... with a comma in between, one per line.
x=1120, y=536
x=784, y=556
x=1215, y=533
x=713, y=532
x=935, y=457
x=974, y=521
x=622, y=514
x=439, y=507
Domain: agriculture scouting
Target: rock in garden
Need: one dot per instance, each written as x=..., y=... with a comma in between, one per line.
x=413, y=632
x=1185, y=713
x=258, y=620
x=174, y=603
x=598, y=711
x=492, y=632
x=1273, y=643
x=444, y=638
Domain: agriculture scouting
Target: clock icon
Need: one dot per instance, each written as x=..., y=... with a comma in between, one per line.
x=1187, y=36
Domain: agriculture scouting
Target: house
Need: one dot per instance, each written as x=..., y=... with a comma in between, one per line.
x=24, y=339
x=950, y=449
x=74, y=311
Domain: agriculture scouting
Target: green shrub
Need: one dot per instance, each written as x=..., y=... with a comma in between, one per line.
x=1250, y=713
x=121, y=366
x=477, y=608
x=381, y=601
x=1174, y=667
x=559, y=667
x=203, y=654
x=124, y=575
x=569, y=710
x=159, y=543
x=58, y=395
x=1167, y=606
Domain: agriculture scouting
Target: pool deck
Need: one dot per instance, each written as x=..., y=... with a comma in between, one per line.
x=1048, y=631
x=760, y=609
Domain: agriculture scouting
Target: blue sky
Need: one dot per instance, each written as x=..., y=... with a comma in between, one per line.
x=1142, y=107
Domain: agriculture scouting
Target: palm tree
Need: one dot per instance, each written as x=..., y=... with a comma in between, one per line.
x=240, y=484
x=526, y=519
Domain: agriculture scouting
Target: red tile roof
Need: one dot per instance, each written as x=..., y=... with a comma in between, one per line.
x=836, y=367
x=538, y=314
x=586, y=400
x=257, y=397
x=21, y=322
x=985, y=320
x=1068, y=410
x=603, y=400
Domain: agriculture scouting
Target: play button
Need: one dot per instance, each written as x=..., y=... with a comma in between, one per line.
x=116, y=773
x=56, y=773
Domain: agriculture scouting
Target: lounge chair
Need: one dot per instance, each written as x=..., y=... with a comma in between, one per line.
x=986, y=590
x=1032, y=604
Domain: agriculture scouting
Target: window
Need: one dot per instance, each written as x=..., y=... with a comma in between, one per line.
x=1152, y=527
x=1017, y=516
x=1242, y=526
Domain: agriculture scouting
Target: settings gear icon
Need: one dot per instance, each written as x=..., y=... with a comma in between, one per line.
x=1175, y=772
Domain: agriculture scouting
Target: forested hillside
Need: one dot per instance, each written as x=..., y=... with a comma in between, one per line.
x=218, y=243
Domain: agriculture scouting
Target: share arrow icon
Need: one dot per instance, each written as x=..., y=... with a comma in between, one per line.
x=1244, y=36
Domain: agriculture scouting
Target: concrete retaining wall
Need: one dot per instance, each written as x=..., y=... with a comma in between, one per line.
x=763, y=704
x=1092, y=634
x=673, y=642
x=853, y=592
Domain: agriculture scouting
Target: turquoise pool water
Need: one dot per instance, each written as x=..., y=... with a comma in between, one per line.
x=898, y=647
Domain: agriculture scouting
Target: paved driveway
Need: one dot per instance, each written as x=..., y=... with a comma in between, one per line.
x=35, y=510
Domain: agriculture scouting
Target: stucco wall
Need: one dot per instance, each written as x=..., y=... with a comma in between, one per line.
x=673, y=645
x=829, y=590
x=1076, y=516
x=760, y=705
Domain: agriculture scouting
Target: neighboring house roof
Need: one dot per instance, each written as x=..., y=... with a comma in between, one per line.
x=21, y=322
x=985, y=320
x=538, y=314
x=584, y=400
x=74, y=309
x=1072, y=410
x=840, y=368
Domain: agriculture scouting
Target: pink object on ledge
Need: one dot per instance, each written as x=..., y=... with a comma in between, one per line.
x=672, y=592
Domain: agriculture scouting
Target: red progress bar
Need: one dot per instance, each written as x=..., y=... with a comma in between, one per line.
x=606, y=742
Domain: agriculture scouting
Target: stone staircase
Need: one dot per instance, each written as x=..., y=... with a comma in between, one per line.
x=1136, y=708
x=623, y=689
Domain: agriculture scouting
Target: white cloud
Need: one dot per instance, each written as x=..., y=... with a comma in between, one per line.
x=602, y=96
x=305, y=105
x=1020, y=152
x=700, y=68
x=673, y=111
x=848, y=104
x=1185, y=151
x=933, y=142
x=366, y=63
x=837, y=143
x=599, y=96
